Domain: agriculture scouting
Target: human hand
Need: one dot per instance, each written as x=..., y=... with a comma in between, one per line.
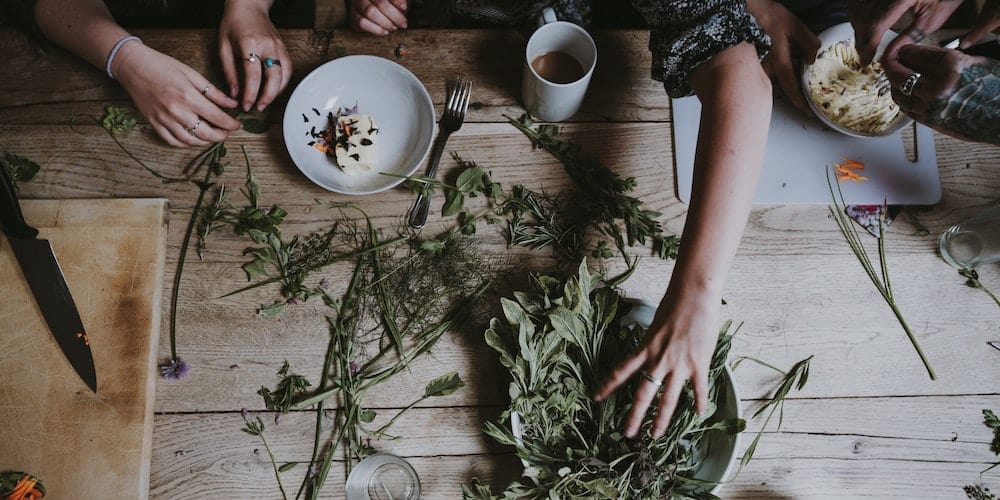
x=871, y=19
x=183, y=107
x=378, y=17
x=678, y=347
x=955, y=93
x=989, y=20
x=247, y=35
x=790, y=39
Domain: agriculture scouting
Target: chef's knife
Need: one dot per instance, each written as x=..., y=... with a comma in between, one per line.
x=45, y=278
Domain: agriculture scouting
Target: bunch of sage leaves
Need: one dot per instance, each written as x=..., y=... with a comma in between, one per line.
x=558, y=341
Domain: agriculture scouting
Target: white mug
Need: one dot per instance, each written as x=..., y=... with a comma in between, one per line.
x=546, y=100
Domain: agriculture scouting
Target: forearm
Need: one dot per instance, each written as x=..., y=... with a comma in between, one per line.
x=736, y=110
x=84, y=27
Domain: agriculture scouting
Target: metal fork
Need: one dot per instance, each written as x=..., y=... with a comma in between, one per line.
x=451, y=120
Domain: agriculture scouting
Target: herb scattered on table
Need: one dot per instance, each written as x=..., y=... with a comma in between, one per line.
x=879, y=279
x=972, y=281
x=18, y=168
x=605, y=193
x=980, y=492
x=117, y=120
x=255, y=427
x=401, y=299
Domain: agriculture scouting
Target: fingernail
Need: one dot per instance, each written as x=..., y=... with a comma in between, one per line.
x=261, y=107
x=246, y=107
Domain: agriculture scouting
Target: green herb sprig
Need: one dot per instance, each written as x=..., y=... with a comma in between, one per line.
x=879, y=277
x=972, y=281
x=18, y=168
x=255, y=427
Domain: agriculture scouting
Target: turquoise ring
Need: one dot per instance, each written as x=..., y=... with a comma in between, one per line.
x=268, y=62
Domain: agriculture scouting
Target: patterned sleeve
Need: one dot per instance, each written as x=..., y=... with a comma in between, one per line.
x=686, y=33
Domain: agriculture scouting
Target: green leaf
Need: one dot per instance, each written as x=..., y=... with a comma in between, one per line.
x=471, y=180
x=367, y=416
x=287, y=467
x=272, y=310
x=117, y=120
x=19, y=169
x=254, y=269
x=432, y=247
x=443, y=385
x=454, y=201
x=253, y=122
x=603, y=489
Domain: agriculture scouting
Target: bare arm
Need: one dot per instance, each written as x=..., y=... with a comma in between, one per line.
x=736, y=109
x=181, y=105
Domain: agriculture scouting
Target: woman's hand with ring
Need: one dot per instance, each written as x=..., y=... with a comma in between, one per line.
x=955, y=93
x=678, y=347
x=169, y=94
x=247, y=39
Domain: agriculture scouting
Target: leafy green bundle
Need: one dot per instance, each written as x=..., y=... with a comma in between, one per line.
x=557, y=342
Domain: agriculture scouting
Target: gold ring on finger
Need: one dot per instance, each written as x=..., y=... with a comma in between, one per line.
x=193, y=126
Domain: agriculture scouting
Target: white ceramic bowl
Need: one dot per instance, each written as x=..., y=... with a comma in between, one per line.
x=394, y=98
x=833, y=35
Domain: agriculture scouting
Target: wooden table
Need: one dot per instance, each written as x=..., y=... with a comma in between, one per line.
x=869, y=424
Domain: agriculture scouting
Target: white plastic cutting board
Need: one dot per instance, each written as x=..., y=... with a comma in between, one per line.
x=799, y=148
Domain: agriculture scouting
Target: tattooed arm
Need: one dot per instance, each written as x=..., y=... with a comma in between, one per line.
x=957, y=94
x=872, y=18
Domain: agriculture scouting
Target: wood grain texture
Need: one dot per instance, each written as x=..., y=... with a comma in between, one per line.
x=870, y=424
x=863, y=447
x=85, y=445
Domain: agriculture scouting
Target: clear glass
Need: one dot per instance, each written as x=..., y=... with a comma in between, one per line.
x=383, y=477
x=972, y=242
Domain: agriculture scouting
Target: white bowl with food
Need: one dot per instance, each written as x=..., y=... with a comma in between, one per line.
x=844, y=95
x=359, y=124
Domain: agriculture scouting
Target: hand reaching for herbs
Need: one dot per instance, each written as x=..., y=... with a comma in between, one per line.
x=872, y=19
x=247, y=38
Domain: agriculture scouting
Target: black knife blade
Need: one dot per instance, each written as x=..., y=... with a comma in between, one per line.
x=45, y=278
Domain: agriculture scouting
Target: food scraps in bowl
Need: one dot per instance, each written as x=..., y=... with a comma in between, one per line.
x=849, y=95
x=349, y=138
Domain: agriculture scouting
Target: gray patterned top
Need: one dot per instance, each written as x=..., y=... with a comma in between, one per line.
x=683, y=33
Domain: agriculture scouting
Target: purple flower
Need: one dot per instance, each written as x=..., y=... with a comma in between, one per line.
x=292, y=300
x=175, y=369
x=245, y=413
x=354, y=368
x=277, y=416
x=324, y=283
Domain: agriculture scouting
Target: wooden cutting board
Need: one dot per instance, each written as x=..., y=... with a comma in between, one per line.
x=80, y=444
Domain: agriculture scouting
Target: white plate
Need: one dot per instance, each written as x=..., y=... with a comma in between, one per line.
x=844, y=32
x=394, y=98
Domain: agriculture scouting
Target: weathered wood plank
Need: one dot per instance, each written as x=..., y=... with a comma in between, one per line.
x=786, y=307
x=941, y=440
x=622, y=89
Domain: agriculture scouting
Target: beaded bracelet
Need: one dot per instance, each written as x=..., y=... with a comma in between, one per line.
x=114, y=52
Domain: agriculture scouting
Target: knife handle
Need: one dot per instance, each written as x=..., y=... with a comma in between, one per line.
x=10, y=211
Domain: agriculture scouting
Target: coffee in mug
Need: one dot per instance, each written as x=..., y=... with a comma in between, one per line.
x=559, y=61
x=558, y=67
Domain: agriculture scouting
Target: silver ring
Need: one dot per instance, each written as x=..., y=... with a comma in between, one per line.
x=651, y=379
x=252, y=58
x=192, y=128
x=907, y=86
x=205, y=90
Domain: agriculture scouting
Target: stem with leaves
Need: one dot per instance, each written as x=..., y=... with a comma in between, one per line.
x=881, y=284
